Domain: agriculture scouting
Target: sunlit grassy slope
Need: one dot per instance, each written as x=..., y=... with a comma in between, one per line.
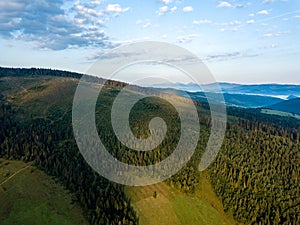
x=280, y=113
x=170, y=206
x=29, y=196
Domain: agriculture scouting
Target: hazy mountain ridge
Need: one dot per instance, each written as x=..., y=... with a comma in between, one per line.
x=240, y=95
x=238, y=100
x=262, y=89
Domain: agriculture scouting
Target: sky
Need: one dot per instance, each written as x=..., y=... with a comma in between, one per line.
x=240, y=41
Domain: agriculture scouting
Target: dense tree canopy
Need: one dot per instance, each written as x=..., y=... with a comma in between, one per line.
x=256, y=174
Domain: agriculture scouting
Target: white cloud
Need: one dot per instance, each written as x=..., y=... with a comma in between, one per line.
x=230, y=56
x=224, y=5
x=270, y=46
x=272, y=1
x=187, y=38
x=231, y=26
x=138, y=22
x=146, y=25
x=162, y=10
x=231, y=23
x=235, y=22
x=263, y=12
x=268, y=1
x=268, y=35
x=95, y=2
x=173, y=9
x=56, y=26
x=239, y=6
x=100, y=22
x=188, y=9
x=116, y=8
x=131, y=41
x=79, y=21
x=283, y=33
x=250, y=21
x=84, y=11
x=251, y=14
x=167, y=1
x=198, y=22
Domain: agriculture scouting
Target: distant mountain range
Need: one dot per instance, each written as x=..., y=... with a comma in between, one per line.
x=274, y=90
x=283, y=97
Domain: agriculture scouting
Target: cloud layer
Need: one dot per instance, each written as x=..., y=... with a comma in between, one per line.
x=224, y=5
x=51, y=26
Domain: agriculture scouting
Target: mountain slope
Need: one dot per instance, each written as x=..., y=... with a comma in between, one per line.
x=169, y=206
x=28, y=194
x=36, y=126
x=255, y=175
x=43, y=104
x=291, y=106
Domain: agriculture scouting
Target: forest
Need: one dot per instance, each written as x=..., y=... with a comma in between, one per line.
x=256, y=173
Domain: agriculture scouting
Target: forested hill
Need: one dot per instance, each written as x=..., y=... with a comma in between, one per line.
x=41, y=72
x=36, y=72
x=35, y=115
x=291, y=106
x=256, y=174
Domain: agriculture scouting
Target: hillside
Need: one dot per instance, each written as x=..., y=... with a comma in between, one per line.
x=48, y=98
x=35, y=114
x=290, y=106
x=162, y=204
x=253, y=180
x=32, y=197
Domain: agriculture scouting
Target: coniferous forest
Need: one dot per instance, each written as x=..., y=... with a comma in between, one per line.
x=255, y=175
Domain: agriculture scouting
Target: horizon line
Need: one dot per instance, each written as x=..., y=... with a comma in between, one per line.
x=219, y=82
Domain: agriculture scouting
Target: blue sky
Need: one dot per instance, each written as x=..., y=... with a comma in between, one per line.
x=240, y=41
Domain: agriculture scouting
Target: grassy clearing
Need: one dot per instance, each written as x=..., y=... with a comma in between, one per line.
x=32, y=197
x=280, y=113
x=172, y=207
x=191, y=210
x=153, y=210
